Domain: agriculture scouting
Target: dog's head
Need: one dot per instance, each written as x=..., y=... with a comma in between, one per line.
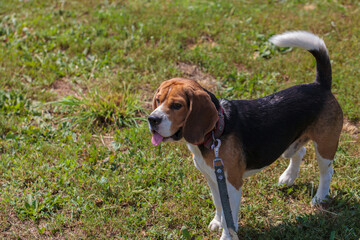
x=182, y=108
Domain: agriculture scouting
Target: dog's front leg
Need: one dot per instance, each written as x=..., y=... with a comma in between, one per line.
x=215, y=224
x=219, y=219
x=234, y=199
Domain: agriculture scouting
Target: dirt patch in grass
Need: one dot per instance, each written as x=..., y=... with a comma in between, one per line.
x=74, y=231
x=309, y=7
x=64, y=88
x=194, y=72
x=241, y=67
x=14, y=228
x=351, y=128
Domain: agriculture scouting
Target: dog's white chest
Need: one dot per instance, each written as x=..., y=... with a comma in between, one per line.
x=199, y=161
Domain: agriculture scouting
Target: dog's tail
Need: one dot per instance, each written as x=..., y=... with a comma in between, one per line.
x=315, y=46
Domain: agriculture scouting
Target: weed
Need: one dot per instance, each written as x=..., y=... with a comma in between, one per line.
x=36, y=209
x=14, y=103
x=103, y=109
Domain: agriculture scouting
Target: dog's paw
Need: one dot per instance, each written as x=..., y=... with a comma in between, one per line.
x=288, y=177
x=319, y=201
x=215, y=225
x=227, y=236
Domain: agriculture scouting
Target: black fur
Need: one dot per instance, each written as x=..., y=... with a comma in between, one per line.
x=323, y=68
x=267, y=126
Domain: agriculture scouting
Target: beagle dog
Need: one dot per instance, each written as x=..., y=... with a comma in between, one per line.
x=254, y=133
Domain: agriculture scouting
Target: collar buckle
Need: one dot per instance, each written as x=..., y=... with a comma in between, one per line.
x=216, y=146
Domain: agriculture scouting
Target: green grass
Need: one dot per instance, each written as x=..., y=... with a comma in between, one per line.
x=76, y=82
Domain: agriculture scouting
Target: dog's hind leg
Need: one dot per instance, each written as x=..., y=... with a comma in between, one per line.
x=292, y=172
x=295, y=152
x=326, y=172
x=325, y=135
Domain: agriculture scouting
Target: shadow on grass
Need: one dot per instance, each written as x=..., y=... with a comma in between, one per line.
x=337, y=219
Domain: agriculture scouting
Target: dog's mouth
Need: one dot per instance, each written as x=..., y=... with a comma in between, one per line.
x=157, y=138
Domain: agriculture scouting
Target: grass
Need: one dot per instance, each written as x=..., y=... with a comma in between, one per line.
x=76, y=83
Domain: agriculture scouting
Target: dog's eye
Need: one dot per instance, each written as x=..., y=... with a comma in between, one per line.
x=176, y=106
x=157, y=101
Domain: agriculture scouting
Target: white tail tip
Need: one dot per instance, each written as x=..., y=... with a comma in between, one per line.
x=300, y=39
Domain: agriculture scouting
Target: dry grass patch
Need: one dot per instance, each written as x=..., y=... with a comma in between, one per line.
x=63, y=88
x=351, y=128
x=194, y=72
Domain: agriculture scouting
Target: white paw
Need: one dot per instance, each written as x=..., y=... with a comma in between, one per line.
x=225, y=237
x=288, y=177
x=319, y=200
x=215, y=225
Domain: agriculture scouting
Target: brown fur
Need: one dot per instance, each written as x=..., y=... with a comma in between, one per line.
x=325, y=132
x=296, y=145
x=167, y=94
x=233, y=158
x=198, y=114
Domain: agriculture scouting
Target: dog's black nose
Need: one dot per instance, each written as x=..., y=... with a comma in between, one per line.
x=154, y=121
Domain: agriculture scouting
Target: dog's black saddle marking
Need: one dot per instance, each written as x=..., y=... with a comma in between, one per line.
x=267, y=126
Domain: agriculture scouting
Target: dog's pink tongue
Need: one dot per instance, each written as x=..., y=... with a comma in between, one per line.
x=156, y=139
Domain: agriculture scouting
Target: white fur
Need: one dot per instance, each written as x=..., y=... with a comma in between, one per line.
x=293, y=148
x=300, y=39
x=235, y=199
x=164, y=128
x=292, y=172
x=326, y=172
x=252, y=172
x=234, y=194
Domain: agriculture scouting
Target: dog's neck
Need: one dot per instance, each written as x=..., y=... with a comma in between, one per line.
x=214, y=99
x=219, y=126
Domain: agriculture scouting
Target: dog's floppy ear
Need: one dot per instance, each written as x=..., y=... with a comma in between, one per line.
x=201, y=118
x=154, y=103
